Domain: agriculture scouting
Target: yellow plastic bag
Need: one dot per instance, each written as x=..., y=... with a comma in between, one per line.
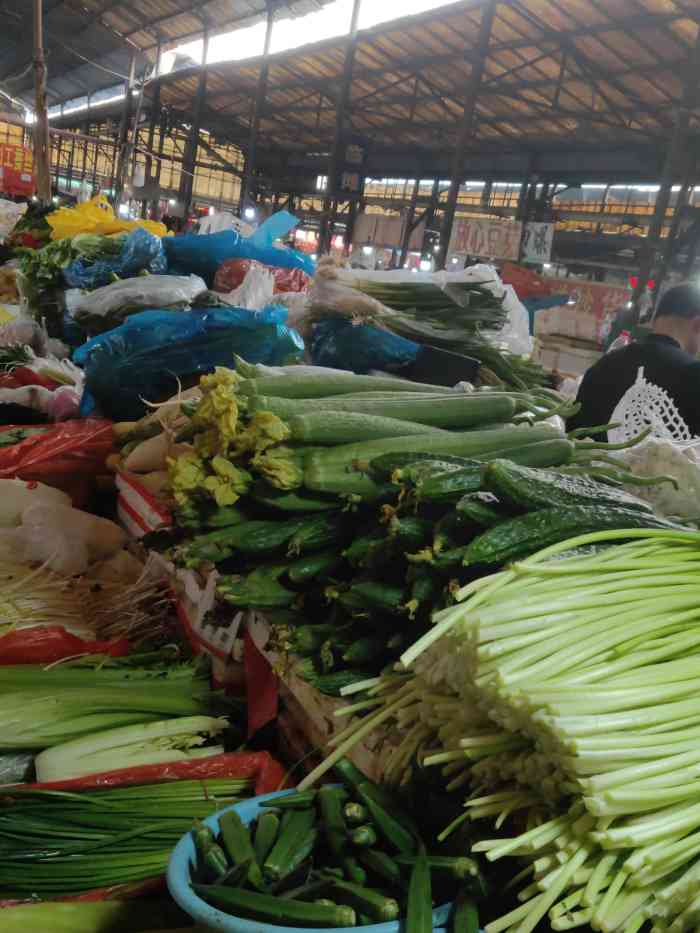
x=96, y=216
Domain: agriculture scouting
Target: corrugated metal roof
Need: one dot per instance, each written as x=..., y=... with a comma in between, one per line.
x=89, y=43
x=582, y=74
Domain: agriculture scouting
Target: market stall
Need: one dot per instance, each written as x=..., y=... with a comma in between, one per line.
x=249, y=544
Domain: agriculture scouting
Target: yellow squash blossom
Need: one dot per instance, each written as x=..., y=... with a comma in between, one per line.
x=228, y=482
x=279, y=468
x=187, y=474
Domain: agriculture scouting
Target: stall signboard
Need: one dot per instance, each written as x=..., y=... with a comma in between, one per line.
x=486, y=239
x=537, y=242
x=16, y=170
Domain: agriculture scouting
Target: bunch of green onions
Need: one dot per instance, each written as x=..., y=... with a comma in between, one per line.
x=565, y=687
x=55, y=843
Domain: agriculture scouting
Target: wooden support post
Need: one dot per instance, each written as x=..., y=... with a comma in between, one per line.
x=335, y=161
x=676, y=148
x=247, y=194
x=189, y=158
x=408, y=224
x=42, y=152
x=123, y=144
x=466, y=126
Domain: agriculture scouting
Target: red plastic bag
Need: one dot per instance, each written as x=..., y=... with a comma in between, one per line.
x=231, y=274
x=44, y=644
x=290, y=280
x=66, y=455
x=268, y=774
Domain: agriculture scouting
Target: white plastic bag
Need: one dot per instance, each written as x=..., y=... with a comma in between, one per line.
x=255, y=291
x=116, y=301
x=10, y=213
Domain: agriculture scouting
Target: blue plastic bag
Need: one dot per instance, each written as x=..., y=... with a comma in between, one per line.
x=204, y=254
x=361, y=348
x=146, y=356
x=140, y=251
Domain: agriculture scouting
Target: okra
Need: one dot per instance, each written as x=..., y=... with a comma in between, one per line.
x=355, y=813
x=466, y=915
x=373, y=903
x=363, y=836
x=265, y=835
x=295, y=825
x=268, y=908
x=419, y=913
x=381, y=865
x=300, y=801
x=239, y=847
x=459, y=867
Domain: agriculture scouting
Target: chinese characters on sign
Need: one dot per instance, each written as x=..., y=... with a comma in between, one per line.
x=537, y=242
x=487, y=239
x=16, y=170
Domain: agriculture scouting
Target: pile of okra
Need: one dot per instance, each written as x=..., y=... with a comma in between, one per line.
x=339, y=856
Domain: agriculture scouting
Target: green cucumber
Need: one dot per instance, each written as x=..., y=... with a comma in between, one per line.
x=481, y=508
x=365, y=650
x=315, y=533
x=310, y=566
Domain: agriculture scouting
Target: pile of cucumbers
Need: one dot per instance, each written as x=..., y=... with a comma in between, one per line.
x=349, y=586
x=342, y=856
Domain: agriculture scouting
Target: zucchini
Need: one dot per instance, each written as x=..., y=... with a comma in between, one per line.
x=268, y=908
x=266, y=830
x=344, y=427
x=315, y=533
x=538, y=489
x=381, y=418
x=376, y=905
x=296, y=824
x=326, y=471
x=323, y=386
x=384, y=466
x=519, y=537
x=308, y=568
x=239, y=848
x=419, y=909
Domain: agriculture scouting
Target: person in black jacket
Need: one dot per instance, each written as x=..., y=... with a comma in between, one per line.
x=669, y=358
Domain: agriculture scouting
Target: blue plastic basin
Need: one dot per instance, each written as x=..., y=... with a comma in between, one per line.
x=184, y=857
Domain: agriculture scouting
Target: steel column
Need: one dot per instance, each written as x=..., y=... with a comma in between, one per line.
x=408, y=224
x=677, y=146
x=155, y=113
x=672, y=238
x=189, y=156
x=246, y=193
x=123, y=145
x=466, y=126
x=342, y=102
